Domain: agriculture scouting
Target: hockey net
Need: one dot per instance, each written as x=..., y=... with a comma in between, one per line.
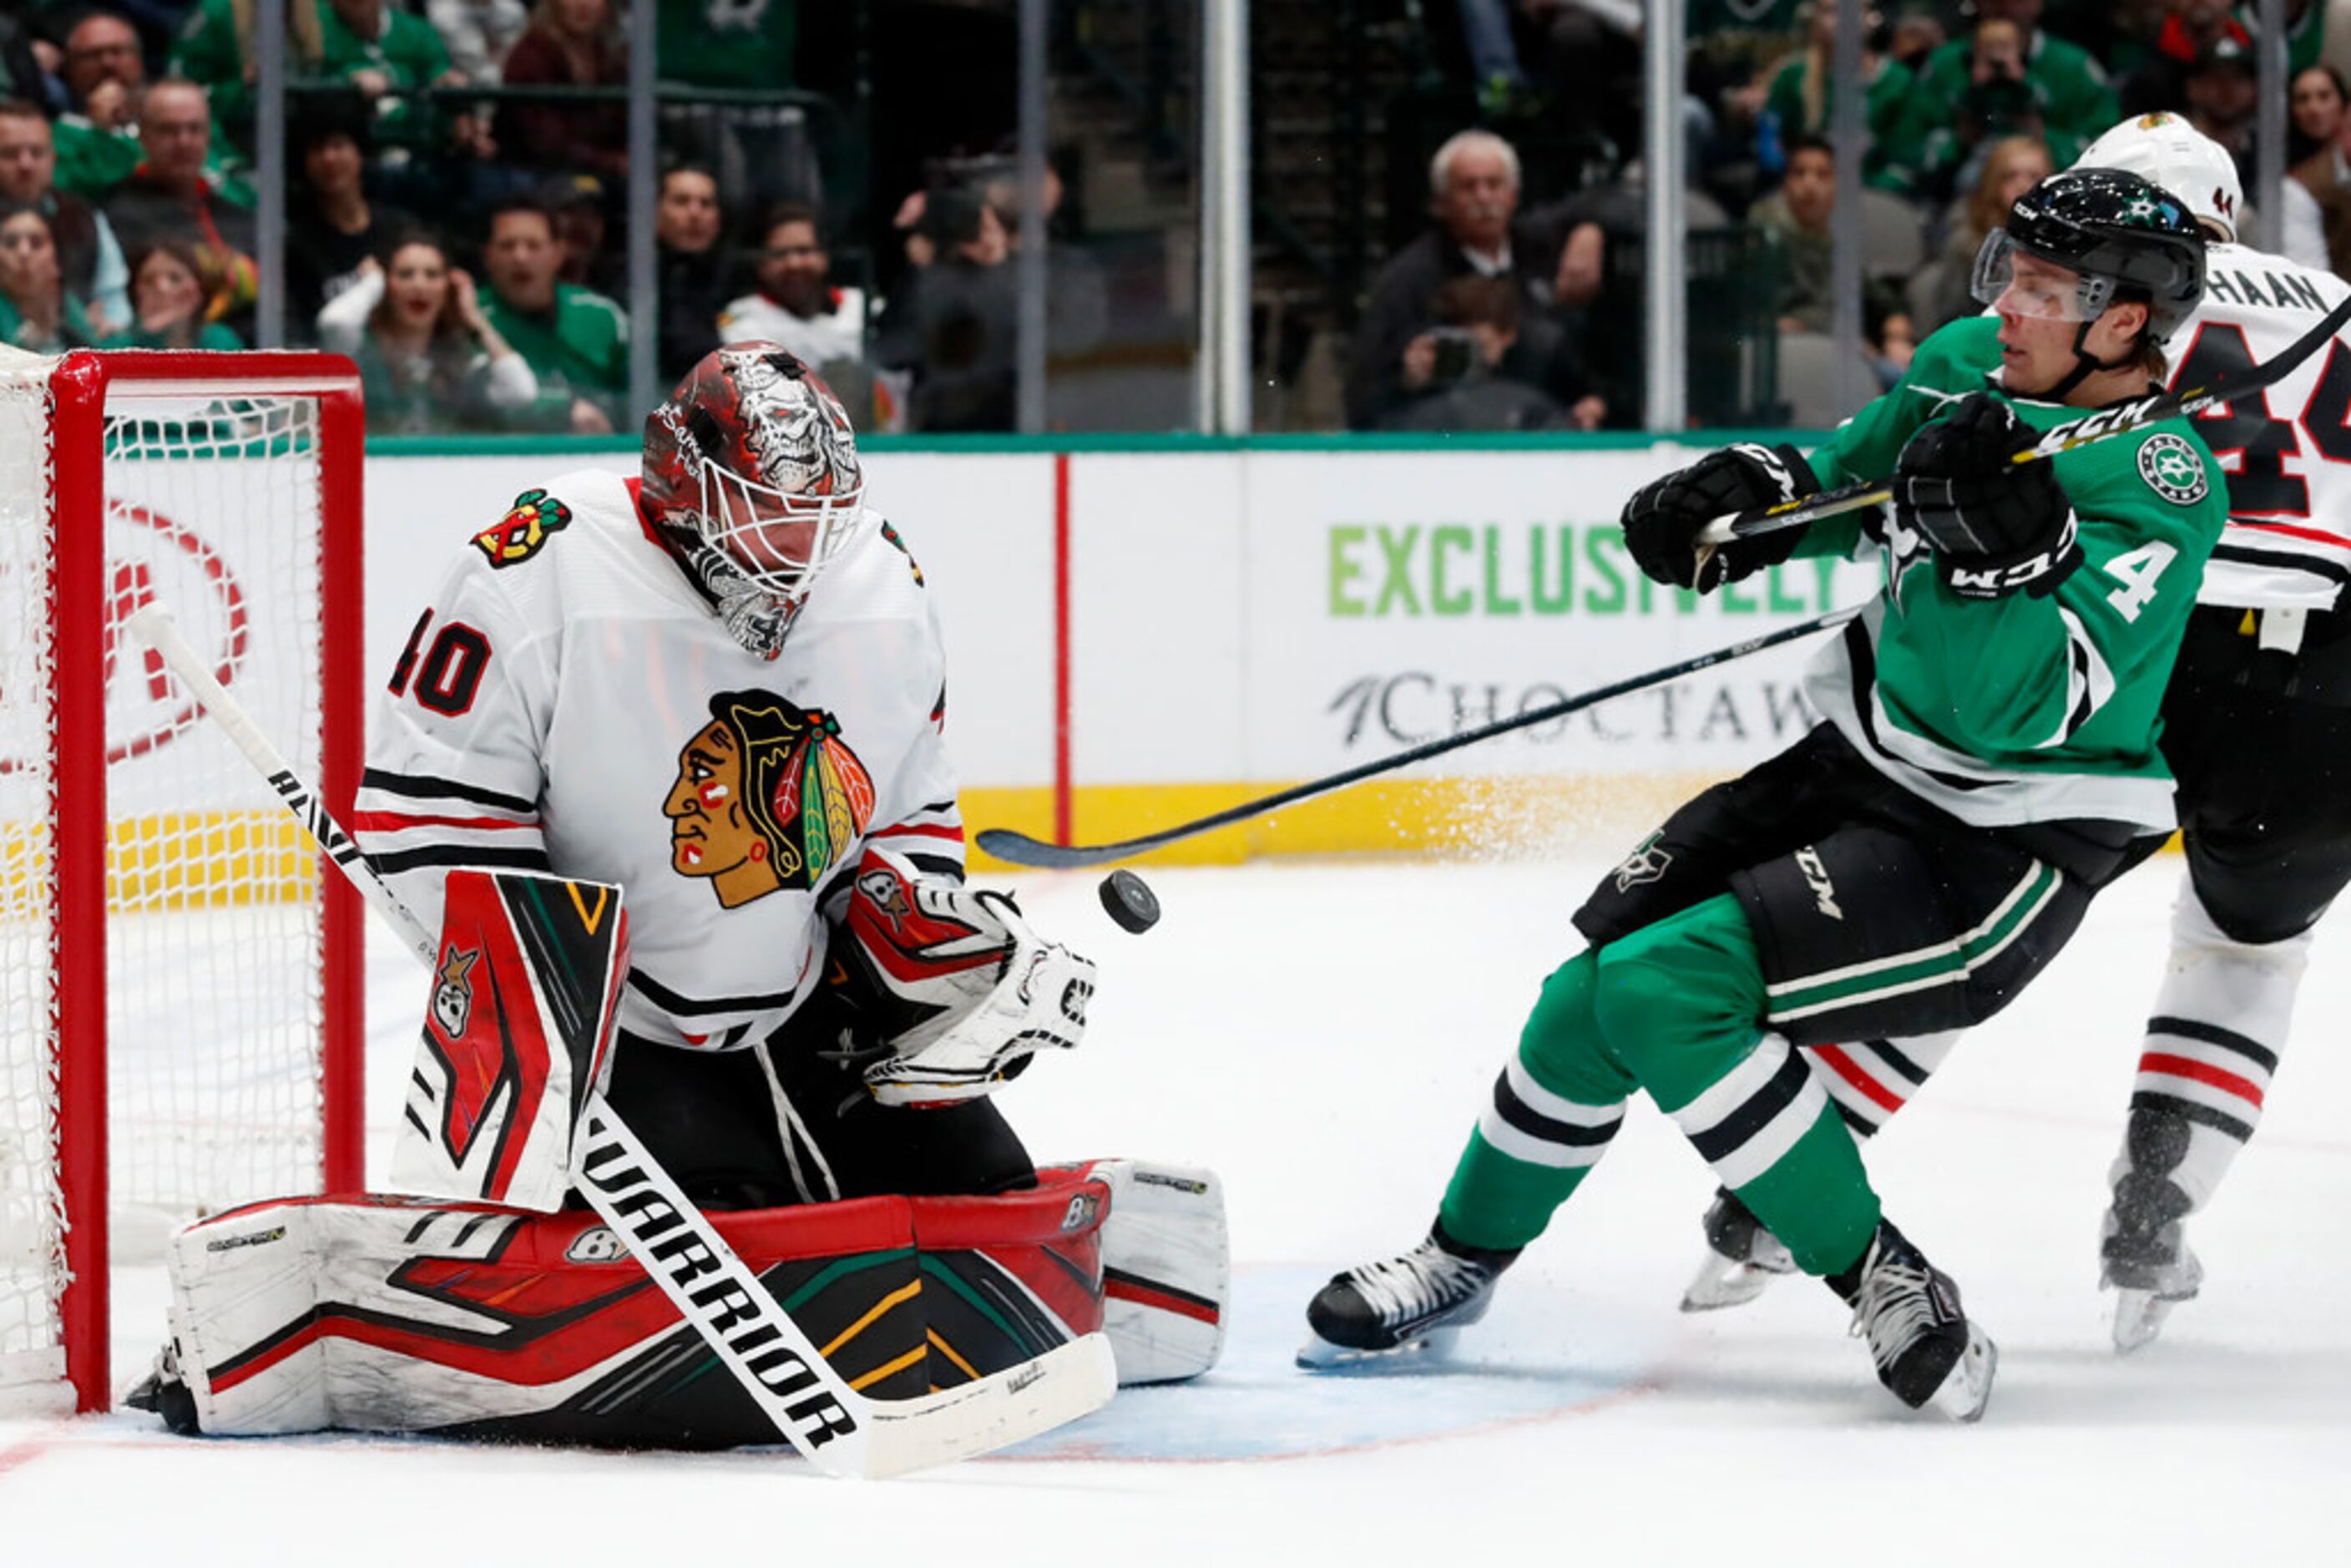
x=180, y=1007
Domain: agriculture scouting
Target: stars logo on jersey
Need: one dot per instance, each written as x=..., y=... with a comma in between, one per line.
x=1647, y=863
x=2172, y=469
x=528, y=523
x=767, y=797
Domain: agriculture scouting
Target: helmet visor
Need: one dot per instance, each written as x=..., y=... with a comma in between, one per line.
x=2015, y=282
x=780, y=541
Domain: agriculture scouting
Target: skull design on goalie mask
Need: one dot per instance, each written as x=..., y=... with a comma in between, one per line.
x=751, y=472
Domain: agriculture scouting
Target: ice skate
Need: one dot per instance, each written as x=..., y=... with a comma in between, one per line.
x=165, y=1393
x=2150, y=1272
x=1409, y=1306
x=1742, y=1257
x=1926, y=1351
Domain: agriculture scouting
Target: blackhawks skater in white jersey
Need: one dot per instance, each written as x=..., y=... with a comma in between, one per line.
x=1987, y=760
x=2257, y=728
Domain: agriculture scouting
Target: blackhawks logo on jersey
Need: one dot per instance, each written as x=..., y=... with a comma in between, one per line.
x=767, y=797
x=528, y=525
x=2171, y=466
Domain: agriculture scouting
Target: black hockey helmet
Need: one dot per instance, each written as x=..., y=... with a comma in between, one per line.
x=2126, y=239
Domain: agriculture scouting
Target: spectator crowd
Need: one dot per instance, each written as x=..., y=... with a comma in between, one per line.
x=1964, y=107
x=457, y=173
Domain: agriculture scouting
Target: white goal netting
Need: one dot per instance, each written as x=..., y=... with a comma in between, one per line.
x=212, y=934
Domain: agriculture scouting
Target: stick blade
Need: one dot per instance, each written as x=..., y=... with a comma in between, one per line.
x=992, y=1413
x=1019, y=849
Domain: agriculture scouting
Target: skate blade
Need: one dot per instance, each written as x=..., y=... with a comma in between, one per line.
x=1967, y=1387
x=1726, y=1282
x=2138, y=1319
x=2140, y=1310
x=1416, y=1354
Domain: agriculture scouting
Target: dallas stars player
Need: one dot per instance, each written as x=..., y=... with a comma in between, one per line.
x=1987, y=760
x=2257, y=725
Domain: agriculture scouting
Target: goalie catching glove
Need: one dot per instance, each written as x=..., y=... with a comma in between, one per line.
x=1997, y=525
x=1664, y=517
x=951, y=988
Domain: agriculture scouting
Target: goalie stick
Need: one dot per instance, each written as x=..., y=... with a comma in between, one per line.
x=2119, y=419
x=1019, y=849
x=837, y=1428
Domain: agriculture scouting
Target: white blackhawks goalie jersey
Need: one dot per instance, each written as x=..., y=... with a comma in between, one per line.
x=2287, y=448
x=570, y=702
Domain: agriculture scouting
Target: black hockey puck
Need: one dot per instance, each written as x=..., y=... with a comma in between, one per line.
x=1129, y=902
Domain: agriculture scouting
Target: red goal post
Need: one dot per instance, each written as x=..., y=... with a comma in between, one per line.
x=180, y=996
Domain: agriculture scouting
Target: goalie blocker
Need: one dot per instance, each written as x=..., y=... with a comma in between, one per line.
x=417, y=1313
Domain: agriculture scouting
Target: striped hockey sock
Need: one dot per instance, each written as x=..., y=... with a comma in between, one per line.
x=1553, y=1112
x=2220, y=1022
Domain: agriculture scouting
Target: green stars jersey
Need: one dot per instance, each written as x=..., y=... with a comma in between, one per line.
x=2023, y=708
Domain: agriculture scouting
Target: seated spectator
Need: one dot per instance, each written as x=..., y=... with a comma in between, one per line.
x=2012, y=166
x=795, y=305
x=479, y=34
x=90, y=259
x=2319, y=172
x=1801, y=97
x=580, y=204
x=2009, y=78
x=105, y=77
x=2224, y=100
x=1477, y=327
x=333, y=229
x=168, y=302
x=37, y=312
x=23, y=73
x=173, y=194
x=569, y=43
x=576, y=341
x=951, y=324
x=1474, y=185
x=216, y=52
x=693, y=268
x=1917, y=33
x=386, y=55
x=429, y=358
x=1797, y=215
x=1891, y=341
x=1077, y=295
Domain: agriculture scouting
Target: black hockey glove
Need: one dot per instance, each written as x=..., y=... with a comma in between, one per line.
x=1996, y=526
x=1663, y=519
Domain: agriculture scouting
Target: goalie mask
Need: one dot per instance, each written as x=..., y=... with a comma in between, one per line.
x=751, y=474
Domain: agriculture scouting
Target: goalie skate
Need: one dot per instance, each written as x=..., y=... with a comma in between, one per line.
x=2150, y=1276
x=1928, y=1353
x=1400, y=1308
x=1742, y=1257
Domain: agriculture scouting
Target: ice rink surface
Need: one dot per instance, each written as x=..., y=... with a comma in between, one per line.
x=1321, y=1035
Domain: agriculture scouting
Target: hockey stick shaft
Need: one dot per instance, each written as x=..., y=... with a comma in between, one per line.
x=1019, y=849
x=837, y=1428
x=2119, y=419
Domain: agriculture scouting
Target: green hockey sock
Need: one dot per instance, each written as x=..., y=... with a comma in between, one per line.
x=1553, y=1110
x=1681, y=1003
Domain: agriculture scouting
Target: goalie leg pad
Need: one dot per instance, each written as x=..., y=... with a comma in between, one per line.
x=1166, y=1269
x=398, y=1314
